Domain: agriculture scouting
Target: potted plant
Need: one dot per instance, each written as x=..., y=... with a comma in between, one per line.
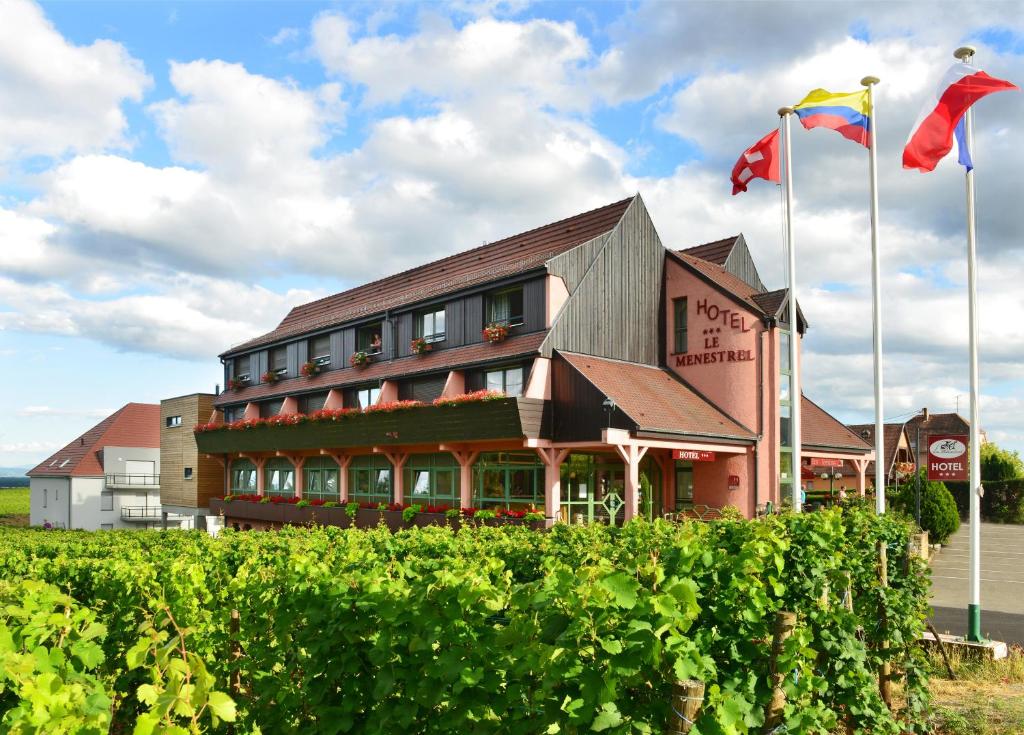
x=310, y=368
x=420, y=346
x=237, y=383
x=453, y=517
x=409, y=513
x=359, y=359
x=495, y=332
x=331, y=513
x=270, y=376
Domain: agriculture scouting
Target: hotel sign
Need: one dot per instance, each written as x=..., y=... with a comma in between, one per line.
x=826, y=462
x=693, y=455
x=947, y=457
x=713, y=353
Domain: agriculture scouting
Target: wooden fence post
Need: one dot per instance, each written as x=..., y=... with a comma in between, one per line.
x=885, y=671
x=785, y=624
x=234, y=671
x=687, y=699
x=848, y=601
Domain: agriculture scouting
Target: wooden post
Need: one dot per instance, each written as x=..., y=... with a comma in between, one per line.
x=687, y=699
x=785, y=624
x=885, y=671
x=848, y=602
x=234, y=673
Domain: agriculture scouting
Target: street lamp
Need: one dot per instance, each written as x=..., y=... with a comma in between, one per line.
x=831, y=477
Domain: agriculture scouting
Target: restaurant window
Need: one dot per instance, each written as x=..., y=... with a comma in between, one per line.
x=279, y=477
x=679, y=324
x=320, y=350
x=506, y=380
x=366, y=397
x=429, y=325
x=279, y=360
x=321, y=479
x=511, y=480
x=505, y=307
x=243, y=477
x=432, y=479
x=368, y=339
x=242, y=368
x=369, y=479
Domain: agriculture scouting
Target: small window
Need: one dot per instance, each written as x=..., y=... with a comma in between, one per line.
x=46, y=494
x=242, y=368
x=368, y=339
x=367, y=396
x=173, y=421
x=106, y=526
x=312, y=403
x=505, y=307
x=679, y=324
x=430, y=325
x=271, y=408
x=233, y=414
x=506, y=380
x=320, y=350
x=188, y=473
x=107, y=500
x=279, y=360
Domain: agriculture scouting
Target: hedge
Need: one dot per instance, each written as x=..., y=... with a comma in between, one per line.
x=1003, y=501
x=504, y=630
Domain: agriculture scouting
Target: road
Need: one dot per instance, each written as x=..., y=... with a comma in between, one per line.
x=1002, y=583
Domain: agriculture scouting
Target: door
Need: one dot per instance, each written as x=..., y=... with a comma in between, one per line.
x=684, y=485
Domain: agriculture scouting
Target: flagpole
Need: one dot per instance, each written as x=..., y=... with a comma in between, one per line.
x=966, y=54
x=876, y=301
x=794, y=333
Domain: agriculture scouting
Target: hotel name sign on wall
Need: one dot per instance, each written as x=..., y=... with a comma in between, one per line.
x=718, y=318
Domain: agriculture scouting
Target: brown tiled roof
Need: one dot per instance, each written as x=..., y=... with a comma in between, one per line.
x=723, y=278
x=446, y=359
x=938, y=423
x=655, y=399
x=500, y=259
x=818, y=428
x=891, y=441
x=771, y=301
x=716, y=252
x=133, y=425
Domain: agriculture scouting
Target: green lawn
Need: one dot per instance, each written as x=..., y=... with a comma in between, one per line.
x=14, y=506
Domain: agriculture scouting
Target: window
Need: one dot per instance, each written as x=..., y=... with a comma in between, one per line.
x=271, y=408
x=173, y=421
x=679, y=324
x=45, y=494
x=368, y=339
x=505, y=307
x=369, y=479
x=279, y=477
x=684, y=485
x=188, y=473
x=366, y=397
x=106, y=500
x=507, y=380
x=106, y=526
x=430, y=325
x=320, y=350
x=279, y=360
x=432, y=479
x=242, y=368
x=243, y=477
x=513, y=480
x=786, y=475
x=233, y=413
x=312, y=403
x=321, y=479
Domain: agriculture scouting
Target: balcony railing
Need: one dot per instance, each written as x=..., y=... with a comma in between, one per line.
x=145, y=513
x=132, y=480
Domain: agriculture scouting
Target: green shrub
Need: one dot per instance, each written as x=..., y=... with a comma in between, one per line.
x=939, y=514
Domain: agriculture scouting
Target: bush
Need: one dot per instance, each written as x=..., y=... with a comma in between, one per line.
x=939, y=514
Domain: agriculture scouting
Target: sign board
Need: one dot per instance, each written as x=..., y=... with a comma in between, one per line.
x=947, y=457
x=734, y=482
x=826, y=462
x=693, y=455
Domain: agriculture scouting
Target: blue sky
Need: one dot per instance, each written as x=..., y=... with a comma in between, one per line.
x=175, y=176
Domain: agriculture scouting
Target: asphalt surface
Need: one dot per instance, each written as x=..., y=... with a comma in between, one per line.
x=1002, y=583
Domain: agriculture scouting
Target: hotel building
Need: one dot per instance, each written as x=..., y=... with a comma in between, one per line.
x=636, y=380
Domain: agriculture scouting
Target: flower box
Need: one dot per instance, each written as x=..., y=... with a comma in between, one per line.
x=335, y=516
x=495, y=333
x=253, y=511
x=303, y=516
x=420, y=346
x=359, y=359
x=309, y=369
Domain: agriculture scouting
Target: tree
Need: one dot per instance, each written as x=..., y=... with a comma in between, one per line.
x=1000, y=464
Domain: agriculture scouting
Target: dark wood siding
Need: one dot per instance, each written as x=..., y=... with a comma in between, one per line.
x=578, y=412
x=534, y=305
x=292, y=358
x=455, y=323
x=260, y=364
x=348, y=345
x=474, y=319
x=405, y=327
x=387, y=338
x=536, y=417
x=741, y=265
x=337, y=351
x=615, y=310
x=302, y=352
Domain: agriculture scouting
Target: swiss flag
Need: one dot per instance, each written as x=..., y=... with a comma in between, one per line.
x=759, y=161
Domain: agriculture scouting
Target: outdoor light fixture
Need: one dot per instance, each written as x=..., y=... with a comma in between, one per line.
x=609, y=407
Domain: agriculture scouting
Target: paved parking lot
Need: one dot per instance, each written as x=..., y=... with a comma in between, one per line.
x=1002, y=582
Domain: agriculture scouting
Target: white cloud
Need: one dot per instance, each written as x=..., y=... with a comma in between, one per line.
x=59, y=97
x=46, y=411
x=285, y=35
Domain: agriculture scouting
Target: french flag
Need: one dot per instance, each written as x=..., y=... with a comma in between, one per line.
x=932, y=139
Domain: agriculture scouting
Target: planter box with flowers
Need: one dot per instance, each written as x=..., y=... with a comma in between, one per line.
x=237, y=384
x=420, y=346
x=248, y=507
x=309, y=369
x=359, y=359
x=270, y=376
x=476, y=416
x=495, y=333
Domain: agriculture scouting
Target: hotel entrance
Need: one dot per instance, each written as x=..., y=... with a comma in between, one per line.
x=684, y=485
x=594, y=489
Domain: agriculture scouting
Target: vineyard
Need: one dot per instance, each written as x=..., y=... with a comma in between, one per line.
x=487, y=630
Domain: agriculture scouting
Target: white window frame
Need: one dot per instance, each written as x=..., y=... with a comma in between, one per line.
x=503, y=372
x=372, y=395
x=322, y=359
x=173, y=421
x=431, y=317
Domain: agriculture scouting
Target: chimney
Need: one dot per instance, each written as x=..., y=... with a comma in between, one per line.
x=81, y=441
x=924, y=411
x=216, y=389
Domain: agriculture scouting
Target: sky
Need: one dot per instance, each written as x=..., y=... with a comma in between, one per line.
x=175, y=176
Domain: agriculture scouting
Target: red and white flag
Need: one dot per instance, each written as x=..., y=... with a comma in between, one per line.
x=961, y=86
x=759, y=161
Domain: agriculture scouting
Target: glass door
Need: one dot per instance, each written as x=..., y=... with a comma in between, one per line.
x=684, y=485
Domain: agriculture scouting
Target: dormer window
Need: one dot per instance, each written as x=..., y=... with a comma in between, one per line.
x=320, y=350
x=368, y=339
x=279, y=361
x=242, y=368
x=505, y=307
x=429, y=325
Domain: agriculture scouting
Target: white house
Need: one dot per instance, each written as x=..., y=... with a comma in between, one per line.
x=107, y=478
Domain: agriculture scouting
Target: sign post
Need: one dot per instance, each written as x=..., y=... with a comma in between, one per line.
x=947, y=457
